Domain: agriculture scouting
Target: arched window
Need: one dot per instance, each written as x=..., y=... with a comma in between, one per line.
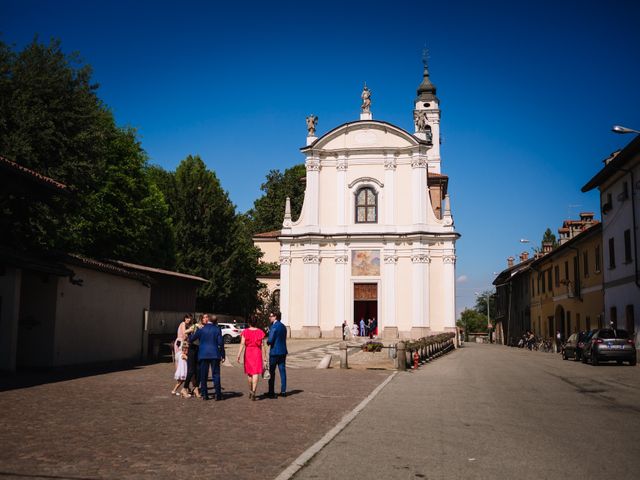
x=366, y=206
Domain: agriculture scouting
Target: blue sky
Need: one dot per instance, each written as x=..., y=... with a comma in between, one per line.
x=528, y=91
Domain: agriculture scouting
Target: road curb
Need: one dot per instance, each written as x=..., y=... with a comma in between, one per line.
x=309, y=453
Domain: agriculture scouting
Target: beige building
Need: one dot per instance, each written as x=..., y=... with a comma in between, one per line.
x=69, y=310
x=566, y=284
x=375, y=238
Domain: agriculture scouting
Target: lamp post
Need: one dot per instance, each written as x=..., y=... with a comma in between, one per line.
x=489, y=326
x=622, y=130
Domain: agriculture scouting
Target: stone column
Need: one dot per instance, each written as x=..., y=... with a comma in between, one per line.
x=341, y=190
x=310, y=325
x=389, y=295
x=389, y=184
x=312, y=194
x=419, y=192
x=341, y=261
x=449, y=300
x=285, y=268
x=420, y=273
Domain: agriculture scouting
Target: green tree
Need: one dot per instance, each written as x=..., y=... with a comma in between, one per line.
x=212, y=241
x=472, y=321
x=548, y=237
x=481, y=303
x=52, y=121
x=267, y=213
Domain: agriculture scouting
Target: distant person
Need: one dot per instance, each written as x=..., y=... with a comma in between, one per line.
x=210, y=354
x=354, y=330
x=277, y=354
x=346, y=331
x=254, y=349
x=558, y=341
x=362, y=330
x=192, y=379
x=181, y=367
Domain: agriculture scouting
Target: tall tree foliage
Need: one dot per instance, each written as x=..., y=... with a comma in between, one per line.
x=267, y=213
x=549, y=237
x=212, y=241
x=52, y=121
x=481, y=304
x=472, y=321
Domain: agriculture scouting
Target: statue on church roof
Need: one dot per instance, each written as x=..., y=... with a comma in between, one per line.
x=312, y=121
x=420, y=117
x=366, y=99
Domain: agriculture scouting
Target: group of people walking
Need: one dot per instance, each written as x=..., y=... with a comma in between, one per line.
x=199, y=348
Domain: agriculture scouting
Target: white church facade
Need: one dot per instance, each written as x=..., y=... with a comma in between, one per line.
x=375, y=237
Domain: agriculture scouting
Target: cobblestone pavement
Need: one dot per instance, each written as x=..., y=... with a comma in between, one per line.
x=125, y=424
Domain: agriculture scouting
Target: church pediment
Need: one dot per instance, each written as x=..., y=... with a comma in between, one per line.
x=365, y=135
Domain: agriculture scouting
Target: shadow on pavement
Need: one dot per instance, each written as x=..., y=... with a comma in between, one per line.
x=26, y=378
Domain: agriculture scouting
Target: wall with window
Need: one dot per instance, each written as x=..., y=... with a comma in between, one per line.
x=570, y=277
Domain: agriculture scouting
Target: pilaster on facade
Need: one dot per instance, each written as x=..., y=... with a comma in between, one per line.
x=341, y=260
x=285, y=271
x=341, y=186
x=312, y=194
x=420, y=292
x=390, y=259
x=419, y=187
x=390, y=165
x=449, y=297
x=311, y=265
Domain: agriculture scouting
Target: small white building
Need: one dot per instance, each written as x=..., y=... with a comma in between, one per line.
x=375, y=238
x=619, y=185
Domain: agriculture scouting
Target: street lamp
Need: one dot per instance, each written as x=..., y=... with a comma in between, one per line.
x=621, y=129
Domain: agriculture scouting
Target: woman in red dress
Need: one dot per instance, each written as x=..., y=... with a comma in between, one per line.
x=254, y=349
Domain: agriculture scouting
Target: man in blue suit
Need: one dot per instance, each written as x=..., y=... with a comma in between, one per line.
x=210, y=354
x=277, y=354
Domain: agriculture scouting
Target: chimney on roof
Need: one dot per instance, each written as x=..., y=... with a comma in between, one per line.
x=510, y=262
x=547, y=247
x=524, y=256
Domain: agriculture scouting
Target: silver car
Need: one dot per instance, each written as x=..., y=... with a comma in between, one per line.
x=607, y=344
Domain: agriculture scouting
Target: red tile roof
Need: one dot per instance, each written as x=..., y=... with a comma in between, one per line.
x=272, y=234
x=144, y=268
x=14, y=167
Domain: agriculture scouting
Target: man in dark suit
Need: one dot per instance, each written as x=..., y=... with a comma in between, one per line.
x=210, y=354
x=277, y=354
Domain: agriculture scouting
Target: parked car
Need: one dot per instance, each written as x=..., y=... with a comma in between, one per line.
x=607, y=344
x=575, y=344
x=230, y=333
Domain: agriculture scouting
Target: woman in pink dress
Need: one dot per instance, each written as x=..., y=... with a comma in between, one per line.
x=254, y=349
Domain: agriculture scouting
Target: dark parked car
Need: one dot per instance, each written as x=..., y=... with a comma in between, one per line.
x=575, y=344
x=608, y=344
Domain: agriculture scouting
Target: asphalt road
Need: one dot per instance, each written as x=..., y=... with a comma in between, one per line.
x=493, y=412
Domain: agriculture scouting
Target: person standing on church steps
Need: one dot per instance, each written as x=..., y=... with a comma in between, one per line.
x=277, y=354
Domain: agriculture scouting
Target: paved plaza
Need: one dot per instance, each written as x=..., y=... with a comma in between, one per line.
x=483, y=411
x=125, y=424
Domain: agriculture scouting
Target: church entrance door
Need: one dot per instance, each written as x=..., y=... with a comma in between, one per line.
x=365, y=305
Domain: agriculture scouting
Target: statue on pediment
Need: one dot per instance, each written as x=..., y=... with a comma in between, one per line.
x=366, y=99
x=312, y=121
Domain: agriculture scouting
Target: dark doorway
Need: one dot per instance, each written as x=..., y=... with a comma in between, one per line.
x=365, y=304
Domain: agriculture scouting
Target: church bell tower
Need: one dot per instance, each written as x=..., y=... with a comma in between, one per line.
x=426, y=117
